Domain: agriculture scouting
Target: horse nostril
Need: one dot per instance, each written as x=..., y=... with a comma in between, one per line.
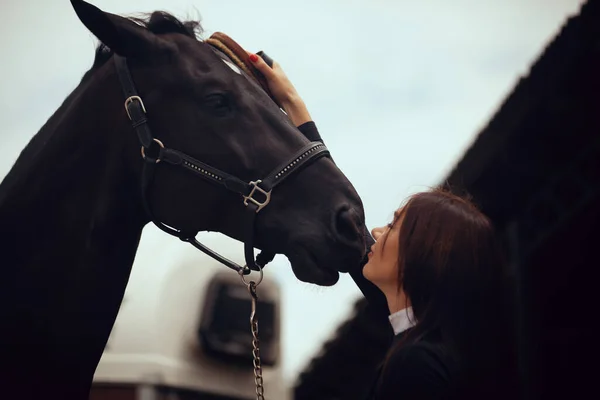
x=347, y=225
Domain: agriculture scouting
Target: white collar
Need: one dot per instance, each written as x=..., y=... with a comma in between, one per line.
x=402, y=320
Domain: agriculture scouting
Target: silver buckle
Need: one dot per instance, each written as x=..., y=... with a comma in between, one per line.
x=255, y=188
x=130, y=100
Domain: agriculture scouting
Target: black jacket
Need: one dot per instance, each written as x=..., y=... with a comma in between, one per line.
x=424, y=370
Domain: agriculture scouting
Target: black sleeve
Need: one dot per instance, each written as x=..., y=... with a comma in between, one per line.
x=414, y=373
x=309, y=129
x=377, y=301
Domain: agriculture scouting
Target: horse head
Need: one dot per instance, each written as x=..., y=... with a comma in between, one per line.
x=199, y=103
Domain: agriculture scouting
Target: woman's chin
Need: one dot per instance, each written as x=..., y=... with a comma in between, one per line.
x=366, y=271
x=373, y=273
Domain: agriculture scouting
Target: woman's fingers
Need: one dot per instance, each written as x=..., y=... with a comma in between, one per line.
x=261, y=65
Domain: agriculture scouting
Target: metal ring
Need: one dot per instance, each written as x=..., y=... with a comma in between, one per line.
x=162, y=146
x=260, y=278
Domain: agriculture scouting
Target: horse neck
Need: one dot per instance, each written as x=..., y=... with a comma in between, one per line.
x=73, y=179
x=70, y=223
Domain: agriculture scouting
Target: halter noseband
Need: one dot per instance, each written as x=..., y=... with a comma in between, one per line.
x=255, y=194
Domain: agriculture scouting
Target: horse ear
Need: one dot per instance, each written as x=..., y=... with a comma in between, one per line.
x=122, y=36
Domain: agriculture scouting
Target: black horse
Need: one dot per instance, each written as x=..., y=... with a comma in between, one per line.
x=71, y=209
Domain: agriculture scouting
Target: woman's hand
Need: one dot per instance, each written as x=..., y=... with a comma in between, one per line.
x=282, y=89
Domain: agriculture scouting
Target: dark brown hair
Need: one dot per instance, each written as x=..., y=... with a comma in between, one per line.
x=452, y=269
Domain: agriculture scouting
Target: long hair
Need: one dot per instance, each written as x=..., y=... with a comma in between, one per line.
x=453, y=272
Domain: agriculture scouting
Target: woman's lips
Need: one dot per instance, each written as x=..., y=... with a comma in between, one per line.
x=371, y=251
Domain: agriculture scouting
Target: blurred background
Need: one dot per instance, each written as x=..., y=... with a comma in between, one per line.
x=400, y=91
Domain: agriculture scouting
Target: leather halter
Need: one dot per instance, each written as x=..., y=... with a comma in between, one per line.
x=255, y=194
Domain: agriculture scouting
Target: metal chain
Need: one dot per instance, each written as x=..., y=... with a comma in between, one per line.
x=258, y=380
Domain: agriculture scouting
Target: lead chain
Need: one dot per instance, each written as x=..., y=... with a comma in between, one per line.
x=258, y=380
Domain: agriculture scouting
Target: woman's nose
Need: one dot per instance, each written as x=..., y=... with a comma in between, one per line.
x=377, y=232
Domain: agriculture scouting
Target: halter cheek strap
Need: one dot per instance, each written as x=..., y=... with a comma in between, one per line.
x=255, y=194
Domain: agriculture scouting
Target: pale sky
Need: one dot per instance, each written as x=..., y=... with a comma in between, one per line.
x=398, y=89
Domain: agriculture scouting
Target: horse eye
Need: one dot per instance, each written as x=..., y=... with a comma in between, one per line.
x=218, y=102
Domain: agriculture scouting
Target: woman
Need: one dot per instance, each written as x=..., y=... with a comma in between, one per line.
x=441, y=276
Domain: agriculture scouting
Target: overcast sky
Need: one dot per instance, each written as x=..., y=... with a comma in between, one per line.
x=399, y=89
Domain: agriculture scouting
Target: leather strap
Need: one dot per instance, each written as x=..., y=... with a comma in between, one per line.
x=133, y=103
x=310, y=152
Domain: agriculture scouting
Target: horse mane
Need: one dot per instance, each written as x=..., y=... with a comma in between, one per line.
x=159, y=23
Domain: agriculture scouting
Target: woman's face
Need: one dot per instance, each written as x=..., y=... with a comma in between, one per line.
x=382, y=268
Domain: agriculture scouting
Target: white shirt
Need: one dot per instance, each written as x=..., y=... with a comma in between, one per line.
x=402, y=320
